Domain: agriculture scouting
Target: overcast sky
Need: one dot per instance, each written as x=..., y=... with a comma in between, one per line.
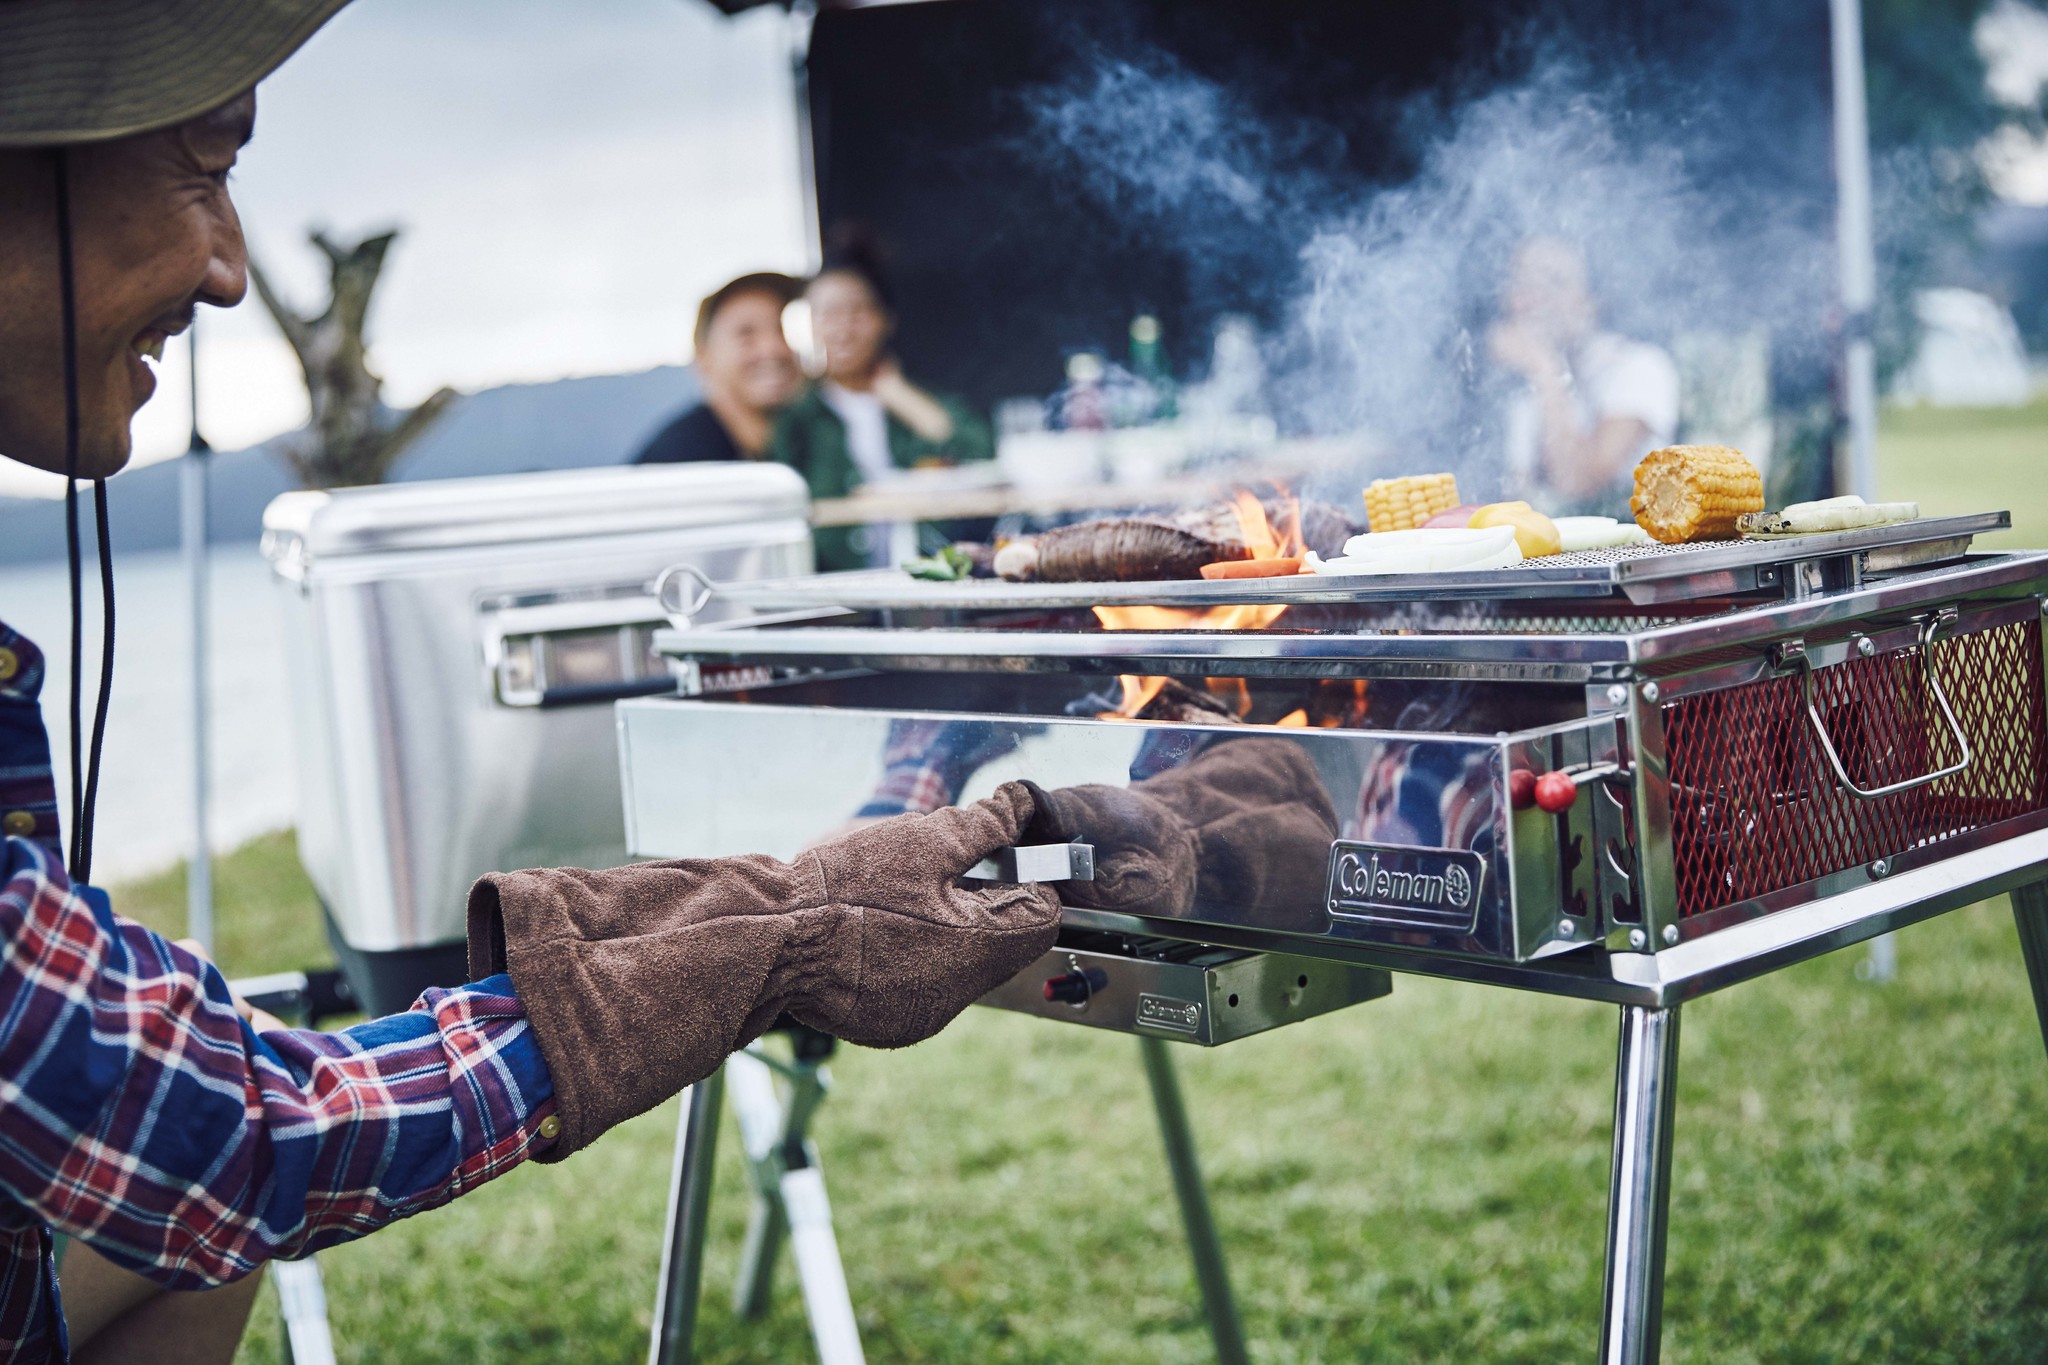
x=570, y=179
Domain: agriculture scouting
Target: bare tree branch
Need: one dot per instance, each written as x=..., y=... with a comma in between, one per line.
x=352, y=438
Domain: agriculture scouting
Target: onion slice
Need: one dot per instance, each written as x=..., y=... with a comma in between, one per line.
x=1422, y=550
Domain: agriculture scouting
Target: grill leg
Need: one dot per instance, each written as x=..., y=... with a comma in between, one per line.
x=789, y=1192
x=1639, y=1194
x=2030, y=912
x=1210, y=1272
x=302, y=1304
x=761, y=1135
x=689, y=1205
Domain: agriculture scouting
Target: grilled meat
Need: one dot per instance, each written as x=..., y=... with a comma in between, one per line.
x=1165, y=545
x=1124, y=550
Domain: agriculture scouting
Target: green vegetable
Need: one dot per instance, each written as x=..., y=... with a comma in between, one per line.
x=949, y=565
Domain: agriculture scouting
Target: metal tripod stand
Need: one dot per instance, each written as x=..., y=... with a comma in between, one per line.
x=789, y=1202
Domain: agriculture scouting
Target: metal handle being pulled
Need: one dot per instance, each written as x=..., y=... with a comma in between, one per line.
x=1037, y=863
x=1927, y=634
x=701, y=589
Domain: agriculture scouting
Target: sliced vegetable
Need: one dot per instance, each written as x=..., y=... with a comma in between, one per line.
x=1534, y=532
x=949, y=565
x=1421, y=550
x=1849, y=513
x=1252, y=568
x=1597, y=533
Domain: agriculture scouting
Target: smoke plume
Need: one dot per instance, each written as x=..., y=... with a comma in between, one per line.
x=1385, y=292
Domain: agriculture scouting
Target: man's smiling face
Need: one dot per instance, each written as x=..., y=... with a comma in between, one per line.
x=153, y=234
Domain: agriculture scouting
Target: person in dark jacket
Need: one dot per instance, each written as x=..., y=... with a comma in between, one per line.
x=863, y=422
x=746, y=371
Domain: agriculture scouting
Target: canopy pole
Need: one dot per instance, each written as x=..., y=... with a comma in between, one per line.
x=192, y=481
x=1858, y=251
x=1856, y=248
x=803, y=18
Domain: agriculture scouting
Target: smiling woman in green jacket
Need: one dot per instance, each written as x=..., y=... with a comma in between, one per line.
x=863, y=423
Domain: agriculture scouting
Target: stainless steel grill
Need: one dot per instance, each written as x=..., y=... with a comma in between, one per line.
x=1631, y=776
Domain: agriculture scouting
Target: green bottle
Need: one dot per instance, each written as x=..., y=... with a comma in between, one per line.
x=1148, y=363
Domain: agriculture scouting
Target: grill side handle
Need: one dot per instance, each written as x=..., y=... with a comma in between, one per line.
x=1792, y=654
x=1073, y=862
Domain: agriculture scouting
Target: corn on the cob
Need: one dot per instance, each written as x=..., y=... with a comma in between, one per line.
x=1695, y=493
x=1831, y=514
x=1405, y=503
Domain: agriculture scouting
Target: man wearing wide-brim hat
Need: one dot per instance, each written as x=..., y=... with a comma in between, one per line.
x=139, y=1113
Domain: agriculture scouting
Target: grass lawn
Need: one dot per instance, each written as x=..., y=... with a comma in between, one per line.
x=1862, y=1171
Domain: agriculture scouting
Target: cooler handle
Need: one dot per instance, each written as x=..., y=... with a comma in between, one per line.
x=701, y=590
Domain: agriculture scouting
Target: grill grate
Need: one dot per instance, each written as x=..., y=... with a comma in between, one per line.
x=1755, y=807
x=1618, y=554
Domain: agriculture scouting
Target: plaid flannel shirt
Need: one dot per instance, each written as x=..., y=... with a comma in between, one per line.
x=140, y=1114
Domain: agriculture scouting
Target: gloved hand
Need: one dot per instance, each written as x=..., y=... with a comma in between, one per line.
x=1263, y=822
x=1246, y=822
x=1146, y=854
x=642, y=980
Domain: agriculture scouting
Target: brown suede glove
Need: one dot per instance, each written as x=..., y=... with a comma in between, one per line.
x=1246, y=822
x=1146, y=855
x=642, y=980
x=1262, y=818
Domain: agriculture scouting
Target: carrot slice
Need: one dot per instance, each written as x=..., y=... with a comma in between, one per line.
x=1252, y=568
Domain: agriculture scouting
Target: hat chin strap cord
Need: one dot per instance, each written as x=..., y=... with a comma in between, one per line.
x=85, y=774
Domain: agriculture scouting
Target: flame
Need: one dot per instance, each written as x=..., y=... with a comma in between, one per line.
x=1254, y=529
x=1262, y=540
x=1335, y=705
x=1137, y=694
x=1234, y=692
x=1342, y=705
x=1138, y=691
x=1249, y=616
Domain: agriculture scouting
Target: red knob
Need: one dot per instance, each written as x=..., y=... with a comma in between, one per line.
x=1074, y=988
x=1555, y=792
x=1521, y=788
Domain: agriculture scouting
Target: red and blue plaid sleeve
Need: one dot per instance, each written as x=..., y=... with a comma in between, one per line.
x=139, y=1113
x=925, y=763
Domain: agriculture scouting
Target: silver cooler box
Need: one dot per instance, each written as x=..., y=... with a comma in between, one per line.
x=455, y=649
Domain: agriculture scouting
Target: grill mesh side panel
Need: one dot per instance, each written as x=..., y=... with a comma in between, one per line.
x=1756, y=808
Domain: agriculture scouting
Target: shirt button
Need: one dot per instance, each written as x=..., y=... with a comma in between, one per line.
x=10, y=663
x=550, y=1128
x=19, y=823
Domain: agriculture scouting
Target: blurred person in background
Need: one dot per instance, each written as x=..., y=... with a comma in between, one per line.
x=863, y=422
x=746, y=372
x=1590, y=403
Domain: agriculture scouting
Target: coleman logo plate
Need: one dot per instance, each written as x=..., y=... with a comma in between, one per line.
x=1428, y=888
x=1161, y=1011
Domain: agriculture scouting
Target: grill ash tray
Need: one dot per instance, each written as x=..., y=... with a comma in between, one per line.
x=1642, y=573
x=1185, y=992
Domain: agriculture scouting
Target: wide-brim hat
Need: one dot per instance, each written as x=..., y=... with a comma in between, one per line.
x=89, y=70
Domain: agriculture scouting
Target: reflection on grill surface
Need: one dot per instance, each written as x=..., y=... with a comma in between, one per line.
x=1632, y=771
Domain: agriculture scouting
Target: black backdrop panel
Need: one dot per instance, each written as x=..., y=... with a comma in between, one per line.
x=1002, y=264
